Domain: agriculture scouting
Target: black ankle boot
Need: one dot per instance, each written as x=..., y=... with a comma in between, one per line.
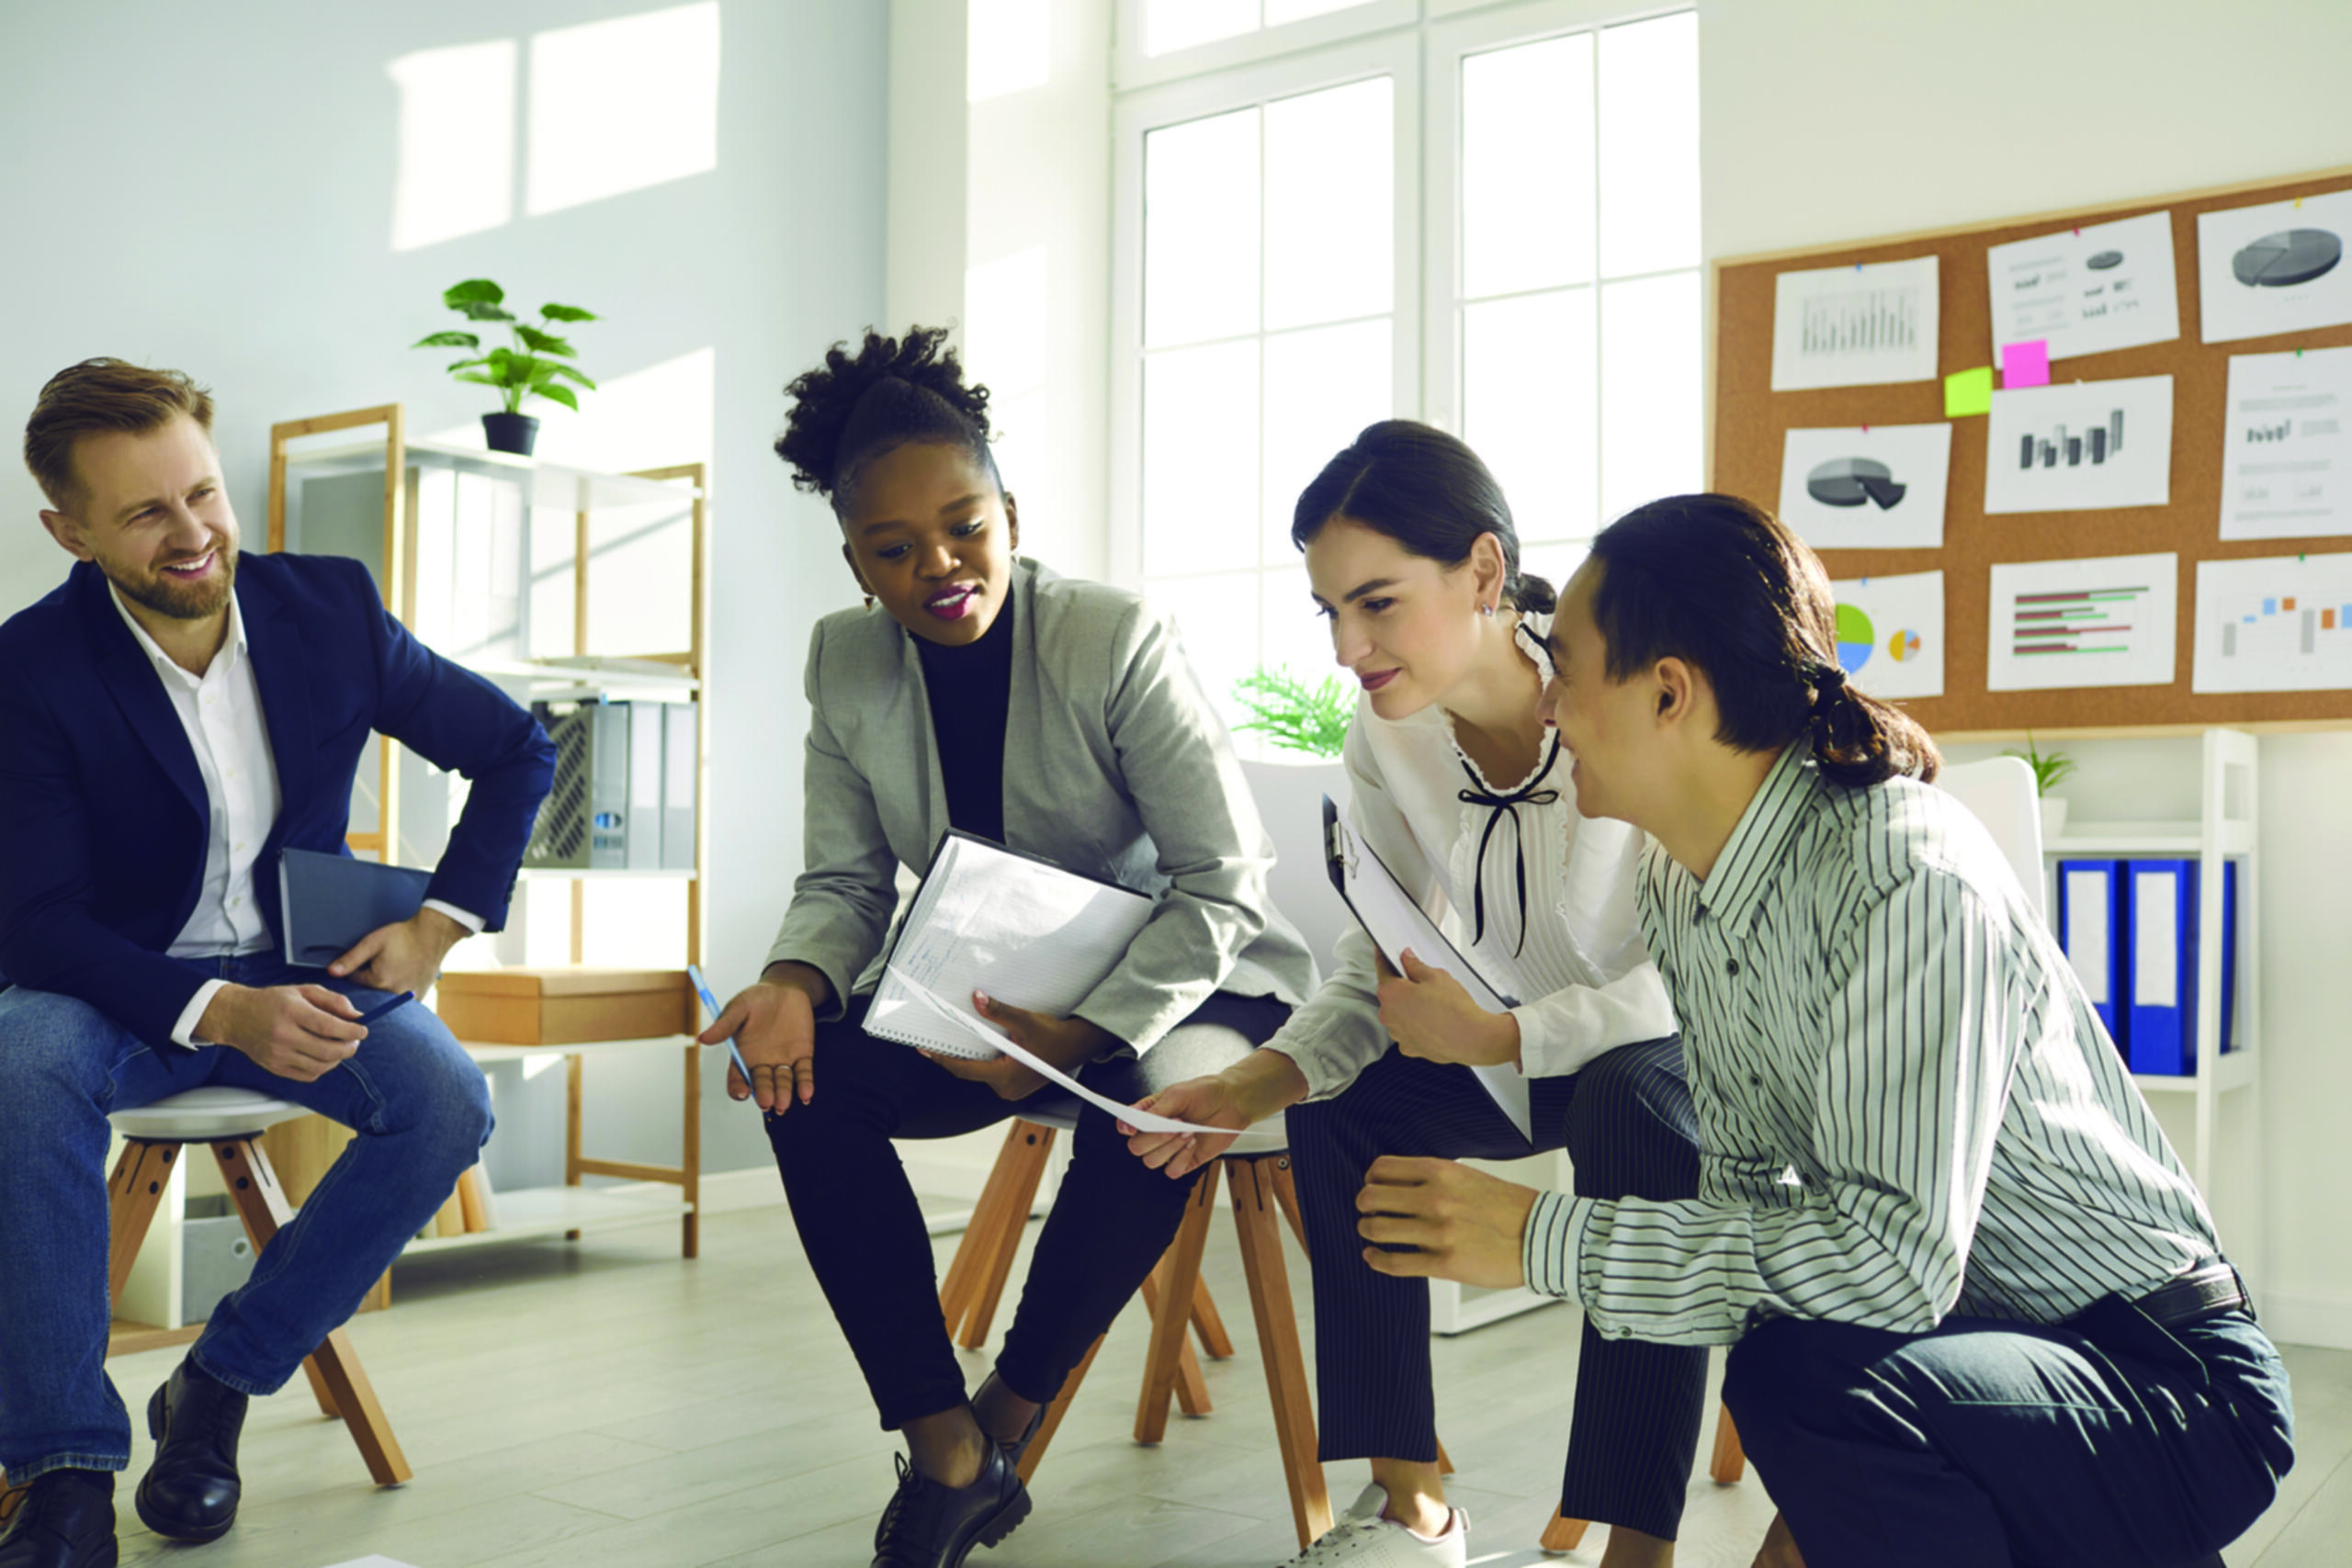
x=66, y=1521
x=190, y=1492
x=931, y=1525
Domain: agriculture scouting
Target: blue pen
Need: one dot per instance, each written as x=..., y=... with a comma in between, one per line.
x=710, y=1005
x=380, y=1009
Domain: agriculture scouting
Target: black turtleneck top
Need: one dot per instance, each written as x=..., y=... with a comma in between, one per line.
x=970, y=690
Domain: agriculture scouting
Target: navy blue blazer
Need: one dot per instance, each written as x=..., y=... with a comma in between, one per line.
x=103, y=815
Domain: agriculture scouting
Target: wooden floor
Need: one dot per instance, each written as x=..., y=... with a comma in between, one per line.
x=606, y=1404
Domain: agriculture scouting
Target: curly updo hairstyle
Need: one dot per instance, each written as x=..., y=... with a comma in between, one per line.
x=1721, y=583
x=1426, y=491
x=891, y=393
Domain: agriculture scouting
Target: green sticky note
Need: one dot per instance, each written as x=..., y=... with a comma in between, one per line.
x=1968, y=391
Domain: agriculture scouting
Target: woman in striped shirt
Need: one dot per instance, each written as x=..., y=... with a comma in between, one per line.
x=1456, y=784
x=1980, y=1310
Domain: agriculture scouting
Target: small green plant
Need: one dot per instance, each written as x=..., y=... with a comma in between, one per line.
x=1293, y=715
x=2050, y=768
x=534, y=367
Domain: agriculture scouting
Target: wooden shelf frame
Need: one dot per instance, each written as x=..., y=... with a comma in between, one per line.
x=689, y=483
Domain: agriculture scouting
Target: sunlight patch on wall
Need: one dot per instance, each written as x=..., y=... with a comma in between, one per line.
x=1008, y=48
x=1006, y=320
x=455, y=170
x=622, y=104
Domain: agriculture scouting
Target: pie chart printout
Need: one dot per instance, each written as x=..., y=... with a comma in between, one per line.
x=2105, y=261
x=1857, y=639
x=1849, y=481
x=1903, y=646
x=2287, y=258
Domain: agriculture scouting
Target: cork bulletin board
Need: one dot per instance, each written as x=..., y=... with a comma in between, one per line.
x=1751, y=420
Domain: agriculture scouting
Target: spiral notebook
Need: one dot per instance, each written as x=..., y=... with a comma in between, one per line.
x=989, y=919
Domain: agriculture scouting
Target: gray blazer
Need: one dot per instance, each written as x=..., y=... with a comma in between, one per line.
x=1116, y=766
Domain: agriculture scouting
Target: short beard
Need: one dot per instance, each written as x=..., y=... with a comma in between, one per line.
x=190, y=603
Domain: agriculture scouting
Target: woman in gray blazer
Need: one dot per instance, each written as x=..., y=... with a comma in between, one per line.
x=983, y=693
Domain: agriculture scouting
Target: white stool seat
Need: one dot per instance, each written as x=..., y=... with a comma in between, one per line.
x=200, y=1115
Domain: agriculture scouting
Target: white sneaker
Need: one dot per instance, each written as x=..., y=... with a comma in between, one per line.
x=1364, y=1539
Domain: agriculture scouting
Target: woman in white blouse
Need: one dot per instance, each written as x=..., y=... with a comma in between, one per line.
x=1461, y=788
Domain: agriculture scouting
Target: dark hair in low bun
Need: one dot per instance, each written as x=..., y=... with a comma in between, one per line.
x=1426, y=490
x=1725, y=585
x=893, y=391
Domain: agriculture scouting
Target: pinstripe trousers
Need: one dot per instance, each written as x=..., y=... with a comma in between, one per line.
x=1627, y=1125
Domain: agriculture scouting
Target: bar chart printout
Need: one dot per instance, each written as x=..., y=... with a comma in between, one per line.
x=2274, y=624
x=2080, y=446
x=1855, y=326
x=2107, y=622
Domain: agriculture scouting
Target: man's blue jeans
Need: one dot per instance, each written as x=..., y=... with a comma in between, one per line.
x=421, y=1109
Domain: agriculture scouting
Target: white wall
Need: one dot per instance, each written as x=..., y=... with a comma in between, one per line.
x=1825, y=121
x=212, y=187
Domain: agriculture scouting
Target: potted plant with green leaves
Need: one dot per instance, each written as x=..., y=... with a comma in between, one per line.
x=1295, y=715
x=2050, y=768
x=534, y=367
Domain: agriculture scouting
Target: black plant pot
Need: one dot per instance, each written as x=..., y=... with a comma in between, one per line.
x=515, y=433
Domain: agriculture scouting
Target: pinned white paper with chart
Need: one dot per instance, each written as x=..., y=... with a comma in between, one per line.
x=1854, y=326
x=1877, y=487
x=2274, y=624
x=2104, y=621
x=2286, y=445
x=2275, y=268
x=2086, y=932
x=2080, y=446
x=1890, y=634
x=2086, y=290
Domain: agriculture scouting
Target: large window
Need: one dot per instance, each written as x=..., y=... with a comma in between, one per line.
x=1284, y=282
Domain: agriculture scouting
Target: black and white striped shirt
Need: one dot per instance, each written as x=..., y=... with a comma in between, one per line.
x=1906, y=1107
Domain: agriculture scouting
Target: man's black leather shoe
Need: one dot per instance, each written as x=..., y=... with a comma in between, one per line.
x=66, y=1521
x=931, y=1525
x=190, y=1492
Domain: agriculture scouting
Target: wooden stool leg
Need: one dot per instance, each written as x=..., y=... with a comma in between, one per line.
x=1563, y=1533
x=335, y=1365
x=1207, y=1323
x=1035, y=1452
x=1013, y=1215
x=1729, y=1462
x=1255, y=1205
x=983, y=1260
x=133, y=1193
x=1169, y=1367
x=1286, y=1194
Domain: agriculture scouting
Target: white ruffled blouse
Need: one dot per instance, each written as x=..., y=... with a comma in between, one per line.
x=1579, y=955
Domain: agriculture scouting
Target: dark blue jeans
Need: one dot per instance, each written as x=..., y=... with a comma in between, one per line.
x=2107, y=1440
x=421, y=1111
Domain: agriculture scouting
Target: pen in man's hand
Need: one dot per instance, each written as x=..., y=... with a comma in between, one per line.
x=710, y=1005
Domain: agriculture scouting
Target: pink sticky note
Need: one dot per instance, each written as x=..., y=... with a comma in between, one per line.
x=2025, y=364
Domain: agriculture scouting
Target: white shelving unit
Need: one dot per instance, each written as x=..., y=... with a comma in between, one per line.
x=2225, y=832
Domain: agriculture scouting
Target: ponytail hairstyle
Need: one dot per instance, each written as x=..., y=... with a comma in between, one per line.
x=892, y=393
x=1725, y=585
x=1427, y=491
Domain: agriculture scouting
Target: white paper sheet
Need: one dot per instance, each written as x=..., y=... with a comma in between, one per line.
x=2275, y=267
x=2086, y=290
x=2155, y=938
x=1878, y=487
x=2274, y=624
x=1025, y=932
x=1854, y=326
x=1890, y=634
x=2087, y=917
x=2080, y=446
x=2105, y=621
x=2285, y=453
x=1395, y=922
x=994, y=1042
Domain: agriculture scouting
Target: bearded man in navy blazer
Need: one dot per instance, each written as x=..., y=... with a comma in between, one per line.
x=171, y=718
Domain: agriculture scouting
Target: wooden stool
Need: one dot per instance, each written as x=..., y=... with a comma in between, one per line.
x=1261, y=1186
x=1727, y=1465
x=231, y=1120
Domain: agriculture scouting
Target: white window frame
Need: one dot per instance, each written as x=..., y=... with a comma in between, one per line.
x=1131, y=68
x=1395, y=56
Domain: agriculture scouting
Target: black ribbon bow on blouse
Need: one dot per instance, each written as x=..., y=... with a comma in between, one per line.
x=1500, y=806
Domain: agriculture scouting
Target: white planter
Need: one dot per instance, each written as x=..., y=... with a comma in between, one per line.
x=2054, y=817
